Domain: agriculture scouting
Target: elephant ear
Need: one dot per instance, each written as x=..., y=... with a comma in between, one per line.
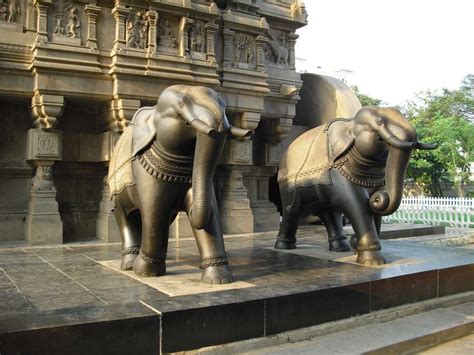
x=341, y=138
x=144, y=131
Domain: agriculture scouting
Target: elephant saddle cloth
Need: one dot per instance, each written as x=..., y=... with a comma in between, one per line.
x=307, y=160
x=120, y=169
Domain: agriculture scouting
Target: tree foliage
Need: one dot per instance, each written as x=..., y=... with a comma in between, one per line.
x=446, y=119
x=366, y=100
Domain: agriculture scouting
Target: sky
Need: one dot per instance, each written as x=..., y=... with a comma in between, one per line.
x=394, y=48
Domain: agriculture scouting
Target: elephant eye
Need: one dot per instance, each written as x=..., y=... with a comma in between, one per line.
x=380, y=139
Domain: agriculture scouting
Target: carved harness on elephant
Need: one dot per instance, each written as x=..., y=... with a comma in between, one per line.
x=165, y=166
x=362, y=171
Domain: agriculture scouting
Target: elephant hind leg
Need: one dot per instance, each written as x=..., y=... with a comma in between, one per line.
x=336, y=236
x=289, y=223
x=130, y=231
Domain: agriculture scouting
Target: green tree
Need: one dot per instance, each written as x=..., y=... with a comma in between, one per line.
x=445, y=119
x=366, y=100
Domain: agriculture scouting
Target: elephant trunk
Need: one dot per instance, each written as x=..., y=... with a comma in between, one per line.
x=206, y=156
x=387, y=202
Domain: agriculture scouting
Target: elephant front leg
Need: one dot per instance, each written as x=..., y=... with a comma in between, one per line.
x=210, y=242
x=286, y=235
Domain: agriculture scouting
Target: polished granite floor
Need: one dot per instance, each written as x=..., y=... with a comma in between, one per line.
x=75, y=285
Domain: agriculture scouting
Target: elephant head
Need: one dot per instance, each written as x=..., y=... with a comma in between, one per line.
x=376, y=132
x=197, y=112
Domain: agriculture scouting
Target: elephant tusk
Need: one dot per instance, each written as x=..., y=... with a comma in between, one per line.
x=203, y=128
x=426, y=146
x=398, y=143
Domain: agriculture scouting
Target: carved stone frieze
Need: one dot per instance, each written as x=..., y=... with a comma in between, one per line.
x=43, y=145
x=137, y=29
x=168, y=35
x=277, y=52
x=244, y=51
x=197, y=40
x=298, y=11
x=10, y=11
x=66, y=23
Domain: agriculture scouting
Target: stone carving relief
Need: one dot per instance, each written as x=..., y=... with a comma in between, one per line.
x=67, y=24
x=9, y=10
x=197, y=40
x=43, y=179
x=244, y=51
x=276, y=51
x=298, y=12
x=137, y=29
x=167, y=38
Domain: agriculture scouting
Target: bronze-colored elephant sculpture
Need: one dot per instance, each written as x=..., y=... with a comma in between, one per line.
x=164, y=163
x=354, y=166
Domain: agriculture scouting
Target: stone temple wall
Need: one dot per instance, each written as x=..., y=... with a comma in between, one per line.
x=72, y=74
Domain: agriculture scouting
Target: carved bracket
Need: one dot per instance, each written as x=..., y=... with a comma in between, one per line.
x=46, y=109
x=121, y=113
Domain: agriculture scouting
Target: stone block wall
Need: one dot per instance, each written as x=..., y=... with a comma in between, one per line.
x=73, y=73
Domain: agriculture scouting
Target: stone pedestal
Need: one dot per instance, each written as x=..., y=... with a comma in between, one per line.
x=43, y=223
x=235, y=211
x=106, y=227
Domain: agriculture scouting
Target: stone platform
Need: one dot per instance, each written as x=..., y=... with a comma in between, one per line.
x=72, y=299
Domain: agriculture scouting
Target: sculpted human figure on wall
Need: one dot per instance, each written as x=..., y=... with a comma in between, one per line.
x=73, y=22
x=166, y=38
x=197, y=38
x=9, y=10
x=137, y=29
x=243, y=49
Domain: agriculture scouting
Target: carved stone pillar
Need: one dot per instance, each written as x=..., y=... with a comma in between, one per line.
x=211, y=30
x=44, y=146
x=42, y=19
x=291, y=49
x=120, y=115
x=228, y=47
x=261, y=40
x=234, y=207
x=120, y=14
x=152, y=17
x=92, y=12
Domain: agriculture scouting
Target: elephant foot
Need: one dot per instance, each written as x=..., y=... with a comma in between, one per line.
x=370, y=258
x=146, y=266
x=216, y=271
x=285, y=244
x=128, y=257
x=339, y=245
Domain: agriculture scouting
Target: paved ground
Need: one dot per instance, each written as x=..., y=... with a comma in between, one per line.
x=461, y=346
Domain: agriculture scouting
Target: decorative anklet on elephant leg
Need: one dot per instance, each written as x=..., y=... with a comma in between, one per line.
x=130, y=250
x=371, y=247
x=151, y=260
x=218, y=261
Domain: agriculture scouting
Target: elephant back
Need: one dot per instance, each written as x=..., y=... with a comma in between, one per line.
x=120, y=173
x=306, y=161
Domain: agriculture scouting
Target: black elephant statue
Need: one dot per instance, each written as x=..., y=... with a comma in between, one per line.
x=352, y=166
x=164, y=163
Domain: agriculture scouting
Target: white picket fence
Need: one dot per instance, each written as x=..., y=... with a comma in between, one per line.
x=453, y=212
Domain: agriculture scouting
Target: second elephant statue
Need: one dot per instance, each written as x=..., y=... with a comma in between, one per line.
x=355, y=167
x=164, y=163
